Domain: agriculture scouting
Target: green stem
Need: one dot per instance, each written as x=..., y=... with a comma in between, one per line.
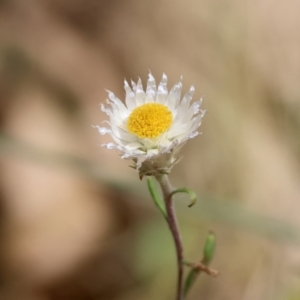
x=168, y=190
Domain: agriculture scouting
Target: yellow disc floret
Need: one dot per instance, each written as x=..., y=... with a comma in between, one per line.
x=149, y=120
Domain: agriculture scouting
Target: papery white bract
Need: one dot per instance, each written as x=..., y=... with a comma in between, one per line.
x=152, y=126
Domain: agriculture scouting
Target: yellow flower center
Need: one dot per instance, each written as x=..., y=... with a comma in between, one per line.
x=149, y=120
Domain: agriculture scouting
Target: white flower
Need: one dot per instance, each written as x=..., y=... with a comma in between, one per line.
x=153, y=126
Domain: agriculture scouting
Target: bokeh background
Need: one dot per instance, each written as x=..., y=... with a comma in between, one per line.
x=75, y=221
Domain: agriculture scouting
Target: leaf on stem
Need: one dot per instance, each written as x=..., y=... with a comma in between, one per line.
x=209, y=248
x=190, y=279
x=155, y=196
x=191, y=193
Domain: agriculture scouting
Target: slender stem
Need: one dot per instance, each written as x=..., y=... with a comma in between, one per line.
x=167, y=189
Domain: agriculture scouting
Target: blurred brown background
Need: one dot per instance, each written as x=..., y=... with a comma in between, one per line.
x=75, y=221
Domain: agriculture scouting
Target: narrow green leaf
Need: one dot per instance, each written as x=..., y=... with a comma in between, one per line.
x=190, y=279
x=191, y=193
x=155, y=196
x=209, y=248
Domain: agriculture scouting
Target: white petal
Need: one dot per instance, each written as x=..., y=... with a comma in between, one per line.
x=139, y=93
x=103, y=130
x=133, y=85
x=190, y=128
x=149, y=99
x=178, y=130
x=120, y=142
x=174, y=96
x=162, y=90
x=109, y=146
x=116, y=100
x=184, y=138
x=185, y=103
x=196, y=106
x=130, y=96
x=133, y=146
x=165, y=143
x=105, y=109
x=202, y=112
x=171, y=146
x=193, y=134
x=122, y=134
x=151, y=86
x=116, y=114
x=184, y=117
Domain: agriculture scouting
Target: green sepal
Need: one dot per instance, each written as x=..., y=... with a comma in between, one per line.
x=155, y=196
x=191, y=193
x=209, y=248
x=190, y=279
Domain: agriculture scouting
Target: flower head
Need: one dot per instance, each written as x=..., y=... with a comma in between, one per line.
x=152, y=126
